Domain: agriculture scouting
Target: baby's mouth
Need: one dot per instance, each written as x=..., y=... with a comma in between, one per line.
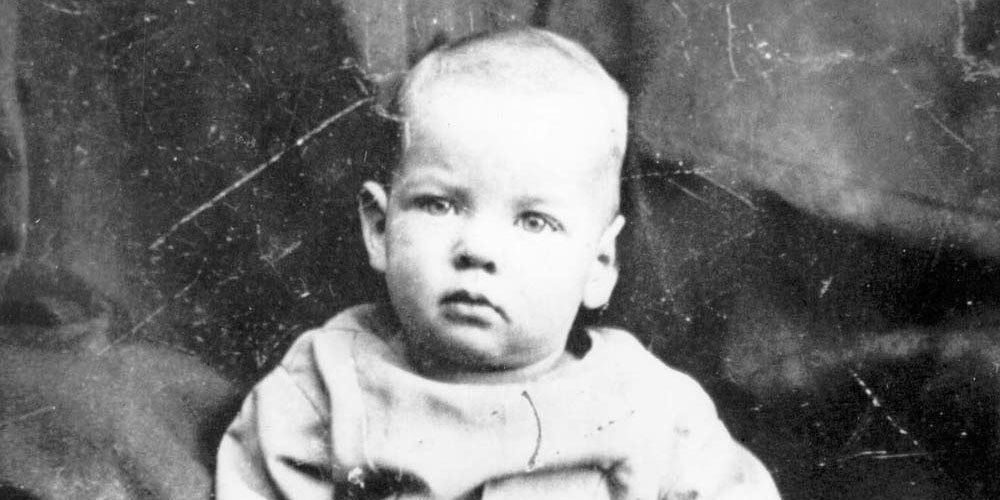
x=471, y=305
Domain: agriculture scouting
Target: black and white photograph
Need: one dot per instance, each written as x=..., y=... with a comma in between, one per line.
x=499, y=249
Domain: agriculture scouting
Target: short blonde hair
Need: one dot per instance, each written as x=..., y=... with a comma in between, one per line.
x=525, y=60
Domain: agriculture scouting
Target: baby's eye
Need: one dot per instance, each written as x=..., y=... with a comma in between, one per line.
x=435, y=205
x=534, y=222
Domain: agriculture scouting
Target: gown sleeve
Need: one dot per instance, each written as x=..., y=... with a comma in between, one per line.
x=278, y=446
x=711, y=464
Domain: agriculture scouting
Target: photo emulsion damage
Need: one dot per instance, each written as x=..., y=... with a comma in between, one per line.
x=811, y=240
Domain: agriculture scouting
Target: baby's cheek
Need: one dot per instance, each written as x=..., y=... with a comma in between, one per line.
x=415, y=250
x=557, y=254
x=554, y=275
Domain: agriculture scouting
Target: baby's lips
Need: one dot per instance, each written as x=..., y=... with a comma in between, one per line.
x=471, y=298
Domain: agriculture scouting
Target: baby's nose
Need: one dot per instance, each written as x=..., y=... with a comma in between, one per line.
x=477, y=247
x=465, y=261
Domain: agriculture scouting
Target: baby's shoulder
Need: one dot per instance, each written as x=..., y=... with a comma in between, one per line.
x=354, y=331
x=623, y=350
x=622, y=353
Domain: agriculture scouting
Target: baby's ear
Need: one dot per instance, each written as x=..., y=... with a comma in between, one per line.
x=372, y=204
x=604, y=271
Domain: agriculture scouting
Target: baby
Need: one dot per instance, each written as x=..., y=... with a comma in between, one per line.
x=497, y=225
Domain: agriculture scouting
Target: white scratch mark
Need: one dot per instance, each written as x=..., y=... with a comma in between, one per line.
x=876, y=403
x=688, y=192
x=63, y=10
x=729, y=38
x=149, y=318
x=255, y=172
x=26, y=416
x=825, y=286
x=678, y=9
x=743, y=199
x=951, y=133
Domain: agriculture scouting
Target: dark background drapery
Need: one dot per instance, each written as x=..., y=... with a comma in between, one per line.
x=811, y=191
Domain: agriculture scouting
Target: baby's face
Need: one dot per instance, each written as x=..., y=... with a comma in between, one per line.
x=499, y=224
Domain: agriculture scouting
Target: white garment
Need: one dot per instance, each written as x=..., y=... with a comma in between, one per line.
x=344, y=416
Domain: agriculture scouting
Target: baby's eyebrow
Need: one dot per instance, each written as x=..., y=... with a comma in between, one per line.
x=549, y=200
x=535, y=201
x=428, y=175
x=428, y=180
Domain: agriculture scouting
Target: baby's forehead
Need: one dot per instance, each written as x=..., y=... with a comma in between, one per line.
x=532, y=67
x=510, y=112
x=539, y=129
x=529, y=82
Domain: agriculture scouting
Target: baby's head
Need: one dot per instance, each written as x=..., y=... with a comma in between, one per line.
x=499, y=222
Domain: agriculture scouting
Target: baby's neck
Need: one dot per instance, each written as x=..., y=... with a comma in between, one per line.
x=474, y=375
